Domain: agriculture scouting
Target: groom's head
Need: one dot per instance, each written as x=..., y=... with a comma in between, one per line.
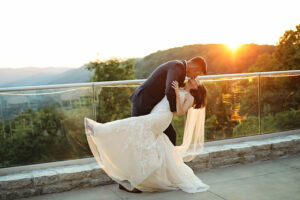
x=196, y=67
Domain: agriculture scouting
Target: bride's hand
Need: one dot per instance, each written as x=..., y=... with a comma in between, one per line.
x=175, y=86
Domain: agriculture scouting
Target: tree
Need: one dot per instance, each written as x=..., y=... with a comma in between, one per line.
x=112, y=102
x=220, y=59
x=265, y=62
x=279, y=94
x=285, y=57
x=288, y=49
x=44, y=135
x=113, y=69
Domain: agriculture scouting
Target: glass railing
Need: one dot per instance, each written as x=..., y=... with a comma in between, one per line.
x=280, y=102
x=45, y=123
x=233, y=109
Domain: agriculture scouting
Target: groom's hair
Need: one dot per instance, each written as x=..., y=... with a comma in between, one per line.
x=200, y=62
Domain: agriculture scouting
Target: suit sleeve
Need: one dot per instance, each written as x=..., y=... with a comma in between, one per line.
x=172, y=75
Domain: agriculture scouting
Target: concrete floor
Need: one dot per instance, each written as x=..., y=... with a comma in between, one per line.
x=273, y=179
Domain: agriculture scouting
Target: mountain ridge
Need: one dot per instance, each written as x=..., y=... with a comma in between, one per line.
x=41, y=76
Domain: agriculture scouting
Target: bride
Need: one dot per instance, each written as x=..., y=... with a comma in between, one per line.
x=136, y=153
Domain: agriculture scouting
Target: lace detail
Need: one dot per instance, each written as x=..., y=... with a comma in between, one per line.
x=147, y=151
x=136, y=153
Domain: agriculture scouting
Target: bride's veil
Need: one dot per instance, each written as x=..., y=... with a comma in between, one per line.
x=193, y=138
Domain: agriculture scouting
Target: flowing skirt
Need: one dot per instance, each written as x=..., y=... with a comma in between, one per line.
x=136, y=153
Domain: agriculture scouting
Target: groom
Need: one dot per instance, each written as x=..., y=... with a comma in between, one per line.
x=158, y=84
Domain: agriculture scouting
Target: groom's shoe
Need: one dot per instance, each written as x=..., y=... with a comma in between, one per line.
x=132, y=191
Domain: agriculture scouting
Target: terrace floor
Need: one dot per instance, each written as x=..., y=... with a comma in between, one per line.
x=271, y=179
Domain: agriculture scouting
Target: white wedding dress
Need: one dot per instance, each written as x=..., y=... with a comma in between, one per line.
x=137, y=154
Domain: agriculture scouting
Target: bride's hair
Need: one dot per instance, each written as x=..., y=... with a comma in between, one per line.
x=200, y=96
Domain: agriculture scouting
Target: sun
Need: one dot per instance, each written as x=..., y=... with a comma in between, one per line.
x=233, y=46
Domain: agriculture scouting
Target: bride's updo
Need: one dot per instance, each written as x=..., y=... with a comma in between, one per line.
x=200, y=96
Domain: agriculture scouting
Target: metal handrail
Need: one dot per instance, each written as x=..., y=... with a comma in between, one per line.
x=139, y=81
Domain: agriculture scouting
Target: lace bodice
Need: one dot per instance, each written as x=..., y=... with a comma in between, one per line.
x=163, y=105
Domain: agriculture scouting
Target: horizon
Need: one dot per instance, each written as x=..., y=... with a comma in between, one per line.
x=230, y=48
x=70, y=34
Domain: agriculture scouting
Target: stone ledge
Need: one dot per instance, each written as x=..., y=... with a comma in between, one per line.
x=246, y=152
x=64, y=178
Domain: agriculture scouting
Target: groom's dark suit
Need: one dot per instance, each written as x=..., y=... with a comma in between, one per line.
x=159, y=84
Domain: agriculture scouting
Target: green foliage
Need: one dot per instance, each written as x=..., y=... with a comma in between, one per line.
x=288, y=49
x=265, y=62
x=211, y=128
x=286, y=120
x=112, y=70
x=285, y=57
x=178, y=123
x=249, y=126
x=112, y=102
x=289, y=119
x=41, y=136
x=280, y=96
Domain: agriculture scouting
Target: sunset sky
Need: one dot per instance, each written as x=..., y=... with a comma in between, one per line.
x=63, y=33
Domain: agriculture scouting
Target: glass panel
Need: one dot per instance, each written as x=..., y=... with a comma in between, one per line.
x=280, y=102
x=178, y=123
x=112, y=102
x=232, y=109
x=39, y=126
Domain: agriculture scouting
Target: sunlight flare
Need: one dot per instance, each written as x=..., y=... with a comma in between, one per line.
x=233, y=46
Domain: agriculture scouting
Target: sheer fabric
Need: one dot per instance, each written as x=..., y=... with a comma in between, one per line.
x=137, y=154
x=193, y=138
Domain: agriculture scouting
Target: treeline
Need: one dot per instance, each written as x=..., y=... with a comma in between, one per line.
x=220, y=59
x=45, y=135
x=285, y=57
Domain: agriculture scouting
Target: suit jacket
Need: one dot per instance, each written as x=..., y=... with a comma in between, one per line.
x=159, y=84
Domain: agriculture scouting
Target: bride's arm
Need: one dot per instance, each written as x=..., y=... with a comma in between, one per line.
x=187, y=103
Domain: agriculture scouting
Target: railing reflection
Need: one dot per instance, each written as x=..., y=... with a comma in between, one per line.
x=232, y=109
x=45, y=123
x=280, y=102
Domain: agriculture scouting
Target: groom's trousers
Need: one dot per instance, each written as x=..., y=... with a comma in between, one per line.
x=138, y=110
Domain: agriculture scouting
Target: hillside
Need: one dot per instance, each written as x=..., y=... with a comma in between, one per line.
x=42, y=76
x=220, y=59
x=10, y=75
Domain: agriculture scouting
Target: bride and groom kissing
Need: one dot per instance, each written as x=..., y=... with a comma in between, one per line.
x=140, y=152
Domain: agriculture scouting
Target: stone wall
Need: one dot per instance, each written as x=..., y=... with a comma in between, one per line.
x=65, y=178
x=246, y=152
x=52, y=180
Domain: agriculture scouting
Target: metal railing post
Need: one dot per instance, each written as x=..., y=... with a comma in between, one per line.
x=259, y=103
x=94, y=105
